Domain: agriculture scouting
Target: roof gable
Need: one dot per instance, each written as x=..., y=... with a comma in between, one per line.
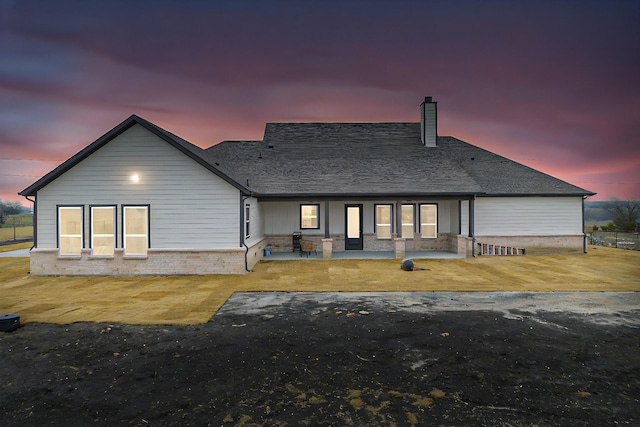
x=190, y=150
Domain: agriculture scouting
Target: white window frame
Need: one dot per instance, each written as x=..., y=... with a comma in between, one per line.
x=413, y=219
x=423, y=223
x=124, y=229
x=112, y=234
x=378, y=223
x=80, y=235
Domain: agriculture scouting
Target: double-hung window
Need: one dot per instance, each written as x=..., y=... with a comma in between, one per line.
x=247, y=221
x=309, y=217
x=70, y=232
x=429, y=221
x=408, y=215
x=136, y=230
x=103, y=229
x=384, y=215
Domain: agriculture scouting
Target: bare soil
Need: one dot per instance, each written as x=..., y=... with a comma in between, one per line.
x=345, y=361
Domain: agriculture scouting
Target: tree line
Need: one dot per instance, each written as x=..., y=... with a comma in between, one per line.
x=623, y=215
x=11, y=208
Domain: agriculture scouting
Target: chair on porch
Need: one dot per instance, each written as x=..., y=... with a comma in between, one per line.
x=306, y=247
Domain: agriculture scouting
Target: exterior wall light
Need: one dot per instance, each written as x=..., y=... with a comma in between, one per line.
x=135, y=177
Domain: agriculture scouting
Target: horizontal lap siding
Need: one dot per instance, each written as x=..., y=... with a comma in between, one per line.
x=190, y=206
x=528, y=216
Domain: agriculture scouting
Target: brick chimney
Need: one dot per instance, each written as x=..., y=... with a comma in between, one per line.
x=429, y=122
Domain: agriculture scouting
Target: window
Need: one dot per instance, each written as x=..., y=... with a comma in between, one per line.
x=103, y=230
x=136, y=229
x=247, y=221
x=407, y=221
x=383, y=221
x=429, y=221
x=70, y=230
x=309, y=216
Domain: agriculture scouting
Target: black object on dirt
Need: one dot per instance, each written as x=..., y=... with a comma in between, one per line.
x=408, y=265
x=9, y=322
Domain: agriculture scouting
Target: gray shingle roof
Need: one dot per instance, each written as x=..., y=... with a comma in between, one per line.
x=373, y=159
x=348, y=160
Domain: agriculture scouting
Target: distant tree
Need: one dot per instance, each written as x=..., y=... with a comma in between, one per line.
x=11, y=208
x=626, y=214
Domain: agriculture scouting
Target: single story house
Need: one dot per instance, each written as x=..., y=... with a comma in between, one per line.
x=142, y=201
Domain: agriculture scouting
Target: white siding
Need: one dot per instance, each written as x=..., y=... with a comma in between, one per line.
x=284, y=217
x=256, y=226
x=190, y=207
x=464, y=218
x=528, y=216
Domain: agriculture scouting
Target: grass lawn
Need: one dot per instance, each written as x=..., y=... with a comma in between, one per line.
x=194, y=299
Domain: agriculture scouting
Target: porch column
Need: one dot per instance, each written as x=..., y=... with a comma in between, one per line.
x=399, y=218
x=472, y=232
x=326, y=219
x=327, y=242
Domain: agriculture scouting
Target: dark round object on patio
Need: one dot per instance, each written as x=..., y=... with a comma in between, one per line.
x=9, y=322
x=407, y=265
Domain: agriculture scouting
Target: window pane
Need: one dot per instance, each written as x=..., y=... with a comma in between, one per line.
x=103, y=245
x=384, y=231
x=136, y=245
x=383, y=221
x=70, y=234
x=70, y=245
x=102, y=220
x=407, y=221
x=353, y=222
x=428, y=214
x=136, y=238
x=429, y=221
x=70, y=221
x=136, y=220
x=309, y=216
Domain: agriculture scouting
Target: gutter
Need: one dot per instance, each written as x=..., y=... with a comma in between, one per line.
x=242, y=242
x=35, y=222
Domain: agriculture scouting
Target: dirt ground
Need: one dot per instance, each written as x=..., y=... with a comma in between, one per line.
x=256, y=350
x=188, y=300
x=291, y=359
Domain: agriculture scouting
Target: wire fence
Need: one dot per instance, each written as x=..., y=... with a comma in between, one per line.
x=16, y=228
x=615, y=239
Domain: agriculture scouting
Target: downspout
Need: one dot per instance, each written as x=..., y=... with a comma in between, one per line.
x=242, y=242
x=35, y=221
x=472, y=232
x=584, y=235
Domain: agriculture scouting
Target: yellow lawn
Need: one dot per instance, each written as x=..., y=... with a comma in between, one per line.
x=194, y=299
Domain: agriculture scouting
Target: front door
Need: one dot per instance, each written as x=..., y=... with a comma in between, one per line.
x=353, y=238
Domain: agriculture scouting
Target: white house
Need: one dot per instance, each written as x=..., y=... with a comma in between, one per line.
x=141, y=200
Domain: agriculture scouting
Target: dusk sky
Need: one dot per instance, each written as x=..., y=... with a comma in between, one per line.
x=551, y=84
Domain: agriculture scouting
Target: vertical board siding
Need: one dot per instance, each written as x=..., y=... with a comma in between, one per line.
x=464, y=218
x=257, y=221
x=528, y=216
x=190, y=207
x=284, y=217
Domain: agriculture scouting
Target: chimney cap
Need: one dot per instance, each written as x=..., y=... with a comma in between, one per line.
x=428, y=99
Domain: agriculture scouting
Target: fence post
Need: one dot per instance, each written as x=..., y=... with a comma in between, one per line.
x=14, y=228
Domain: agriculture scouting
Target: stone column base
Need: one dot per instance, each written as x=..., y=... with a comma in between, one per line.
x=400, y=247
x=327, y=248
